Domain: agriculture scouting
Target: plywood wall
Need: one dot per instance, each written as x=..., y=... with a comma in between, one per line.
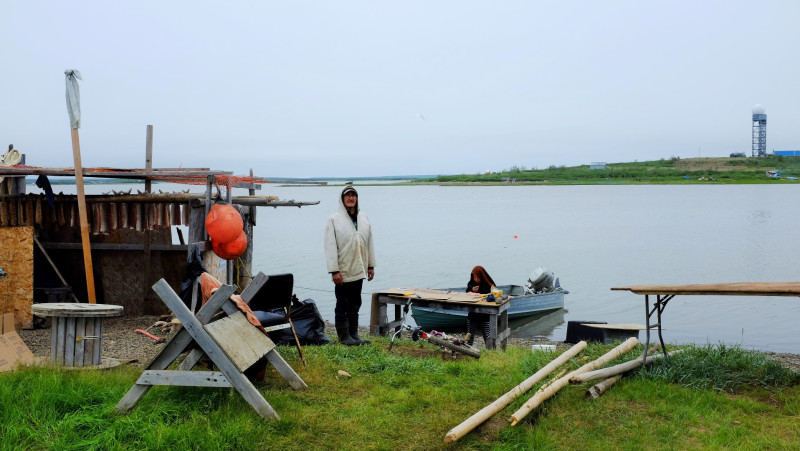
x=16, y=259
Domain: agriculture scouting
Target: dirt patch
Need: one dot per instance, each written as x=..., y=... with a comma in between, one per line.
x=709, y=164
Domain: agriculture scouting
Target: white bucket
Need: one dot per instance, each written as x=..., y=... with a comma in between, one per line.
x=545, y=348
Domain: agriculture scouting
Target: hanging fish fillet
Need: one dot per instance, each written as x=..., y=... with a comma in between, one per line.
x=38, y=219
x=20, y=212
x=113, y=217
x=163, y=215
x=175, y=214
x=3, y=213
x=149, y=216
x=186, y=213
x=123, y=216
x=28, y=211
x=73, y=214
x=60, y=207
x=95, y=218
x=140, y=220
x=102, y=210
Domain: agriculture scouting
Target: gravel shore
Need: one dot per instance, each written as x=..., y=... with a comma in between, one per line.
x=121, y=342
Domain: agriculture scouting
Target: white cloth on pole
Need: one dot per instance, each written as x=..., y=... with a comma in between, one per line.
x=10, y=158
x=73, y=97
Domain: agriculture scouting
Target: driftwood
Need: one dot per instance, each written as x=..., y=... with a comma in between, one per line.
x=484, y=414
x=605, y=373
x=596, y=390
x=543, y=394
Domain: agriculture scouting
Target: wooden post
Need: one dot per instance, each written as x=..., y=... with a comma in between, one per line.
x=229, y=263
x=503, y=401
x=596, y=390
x=87, y=251
x=147, y=208
x=543, y=394
x=616, y=369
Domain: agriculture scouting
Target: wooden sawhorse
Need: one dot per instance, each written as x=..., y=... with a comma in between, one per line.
x=232, y=344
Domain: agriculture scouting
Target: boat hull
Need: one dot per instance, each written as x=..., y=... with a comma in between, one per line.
x=521, y=306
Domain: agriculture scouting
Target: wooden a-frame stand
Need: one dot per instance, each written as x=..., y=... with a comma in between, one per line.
x=232, y=344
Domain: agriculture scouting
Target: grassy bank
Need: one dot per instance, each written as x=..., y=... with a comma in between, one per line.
x=665, y=171
x=702, y=398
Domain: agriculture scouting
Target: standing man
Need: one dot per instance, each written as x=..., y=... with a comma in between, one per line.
x=350, y=256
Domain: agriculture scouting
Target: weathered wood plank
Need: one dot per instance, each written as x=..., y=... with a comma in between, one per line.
x=69, y=343
x=242, y=342
x=184, y=378
x=90, y=344
x=247, y=295
x=80, y=340
x=98, y=347
x=285, y=370
x=720, y=289
x=60, y=323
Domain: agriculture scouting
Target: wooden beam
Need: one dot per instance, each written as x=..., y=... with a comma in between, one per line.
x=115, y=246
x=147, y=209
x=121, y=173
x=84, y=222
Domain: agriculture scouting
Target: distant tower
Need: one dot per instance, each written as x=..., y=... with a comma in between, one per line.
x=759, y=131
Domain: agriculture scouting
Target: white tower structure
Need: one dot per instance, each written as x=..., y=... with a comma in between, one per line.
x=759, y=131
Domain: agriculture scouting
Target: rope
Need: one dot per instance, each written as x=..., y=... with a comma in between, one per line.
x=327, y=291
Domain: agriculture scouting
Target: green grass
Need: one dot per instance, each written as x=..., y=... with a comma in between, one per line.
x=664, y=171
x=711, y=397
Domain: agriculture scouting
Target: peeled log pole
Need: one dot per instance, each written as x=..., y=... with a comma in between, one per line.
x=545, y=393
x=616, y=369
x=501, y=402
x=596, y=390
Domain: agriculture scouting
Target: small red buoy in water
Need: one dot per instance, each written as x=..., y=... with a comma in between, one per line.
x=515, y=237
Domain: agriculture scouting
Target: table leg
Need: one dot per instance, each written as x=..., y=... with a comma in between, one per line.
x=383, y=318
x=647, y=327
x=503, y=327
x=662, y=303
x=492, y=342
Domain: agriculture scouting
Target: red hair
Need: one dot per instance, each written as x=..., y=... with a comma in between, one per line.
x=483, y=276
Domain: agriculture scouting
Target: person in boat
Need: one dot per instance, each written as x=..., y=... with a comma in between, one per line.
x=350, y=258
x=480, y=282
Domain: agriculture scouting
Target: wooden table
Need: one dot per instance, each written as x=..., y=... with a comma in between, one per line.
x=664, y=293
x=77, y=331
x=423, y=297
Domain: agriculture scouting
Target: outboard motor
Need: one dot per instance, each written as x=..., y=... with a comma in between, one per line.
x=541, y=280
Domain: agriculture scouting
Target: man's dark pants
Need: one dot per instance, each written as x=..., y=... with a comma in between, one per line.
x=348, y=301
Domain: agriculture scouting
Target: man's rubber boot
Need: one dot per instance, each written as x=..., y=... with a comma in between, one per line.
x=354, y=334
x=342, y=329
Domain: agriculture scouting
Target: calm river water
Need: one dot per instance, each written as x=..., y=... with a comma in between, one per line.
x=592, y=237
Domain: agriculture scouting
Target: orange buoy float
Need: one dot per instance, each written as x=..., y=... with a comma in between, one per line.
x=232, y=249
x=223, y=223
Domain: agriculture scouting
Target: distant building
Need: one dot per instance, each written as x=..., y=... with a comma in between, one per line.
x=598, y=165
x=788, y=153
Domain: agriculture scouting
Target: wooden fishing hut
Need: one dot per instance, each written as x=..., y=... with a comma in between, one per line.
x=131, y=237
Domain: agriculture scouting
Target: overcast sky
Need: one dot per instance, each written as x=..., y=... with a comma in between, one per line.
x=369, y=88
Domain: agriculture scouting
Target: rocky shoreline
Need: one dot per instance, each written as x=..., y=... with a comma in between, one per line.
x=121, y=342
